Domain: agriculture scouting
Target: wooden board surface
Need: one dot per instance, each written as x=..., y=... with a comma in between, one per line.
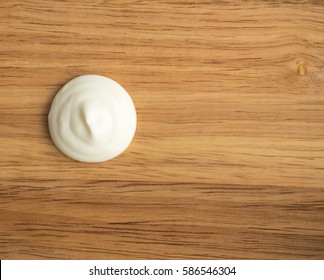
x=228, y=157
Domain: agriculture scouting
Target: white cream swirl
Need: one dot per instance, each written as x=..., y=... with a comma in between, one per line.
x=92, y=119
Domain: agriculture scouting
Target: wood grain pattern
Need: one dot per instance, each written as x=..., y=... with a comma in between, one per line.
x=228, y=157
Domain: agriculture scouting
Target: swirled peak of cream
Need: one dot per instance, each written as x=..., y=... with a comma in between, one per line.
x=92, y=119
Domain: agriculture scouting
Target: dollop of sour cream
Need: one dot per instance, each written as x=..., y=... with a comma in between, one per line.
x=92, y=119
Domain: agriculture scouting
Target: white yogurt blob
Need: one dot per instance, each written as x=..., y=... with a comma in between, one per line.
x=92, y=119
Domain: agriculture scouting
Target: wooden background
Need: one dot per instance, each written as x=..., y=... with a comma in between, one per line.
x=228, y=157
